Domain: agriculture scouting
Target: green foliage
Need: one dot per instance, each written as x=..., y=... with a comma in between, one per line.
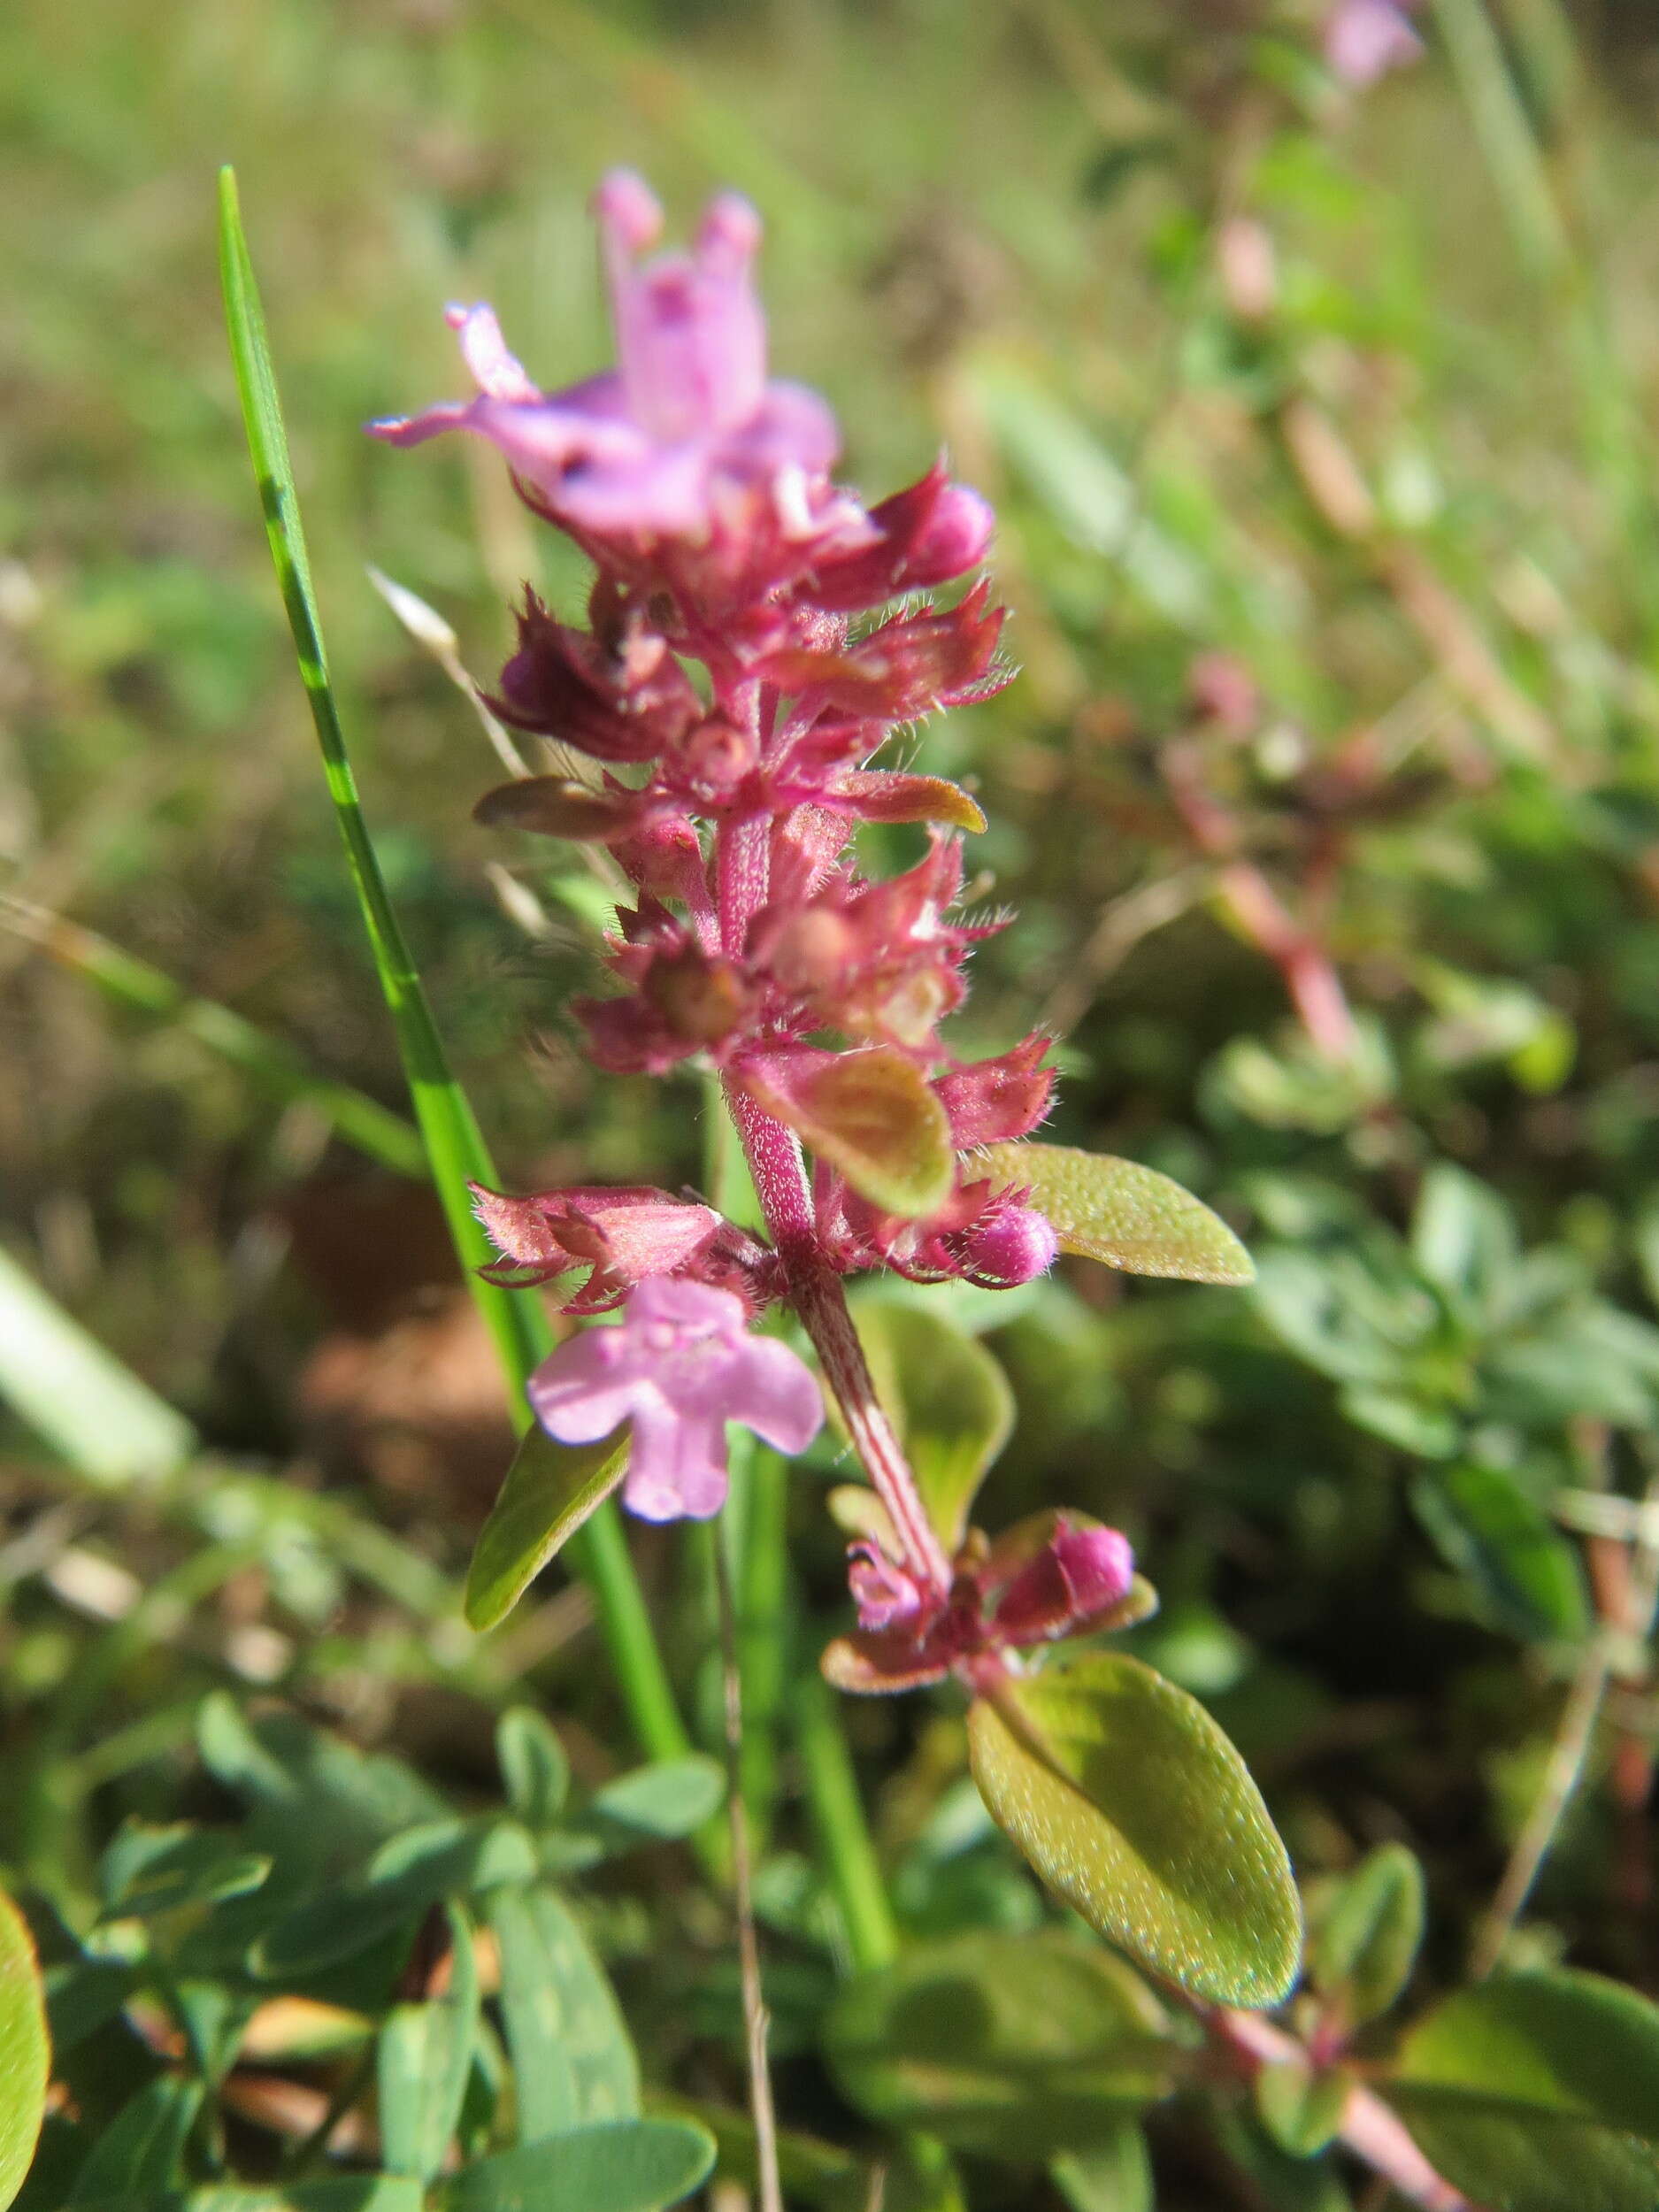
x=25, y=2051
x=1018, y=2048
x=873, y=1115
x=1368, y=1932
x=626, y=2166
x=948, y=1402
x=1125, y=1215
x=1135, y=1809
x=550, y=1490
x=1538, y=2092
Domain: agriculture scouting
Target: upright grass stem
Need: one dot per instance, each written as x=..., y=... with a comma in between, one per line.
x=455, y=1145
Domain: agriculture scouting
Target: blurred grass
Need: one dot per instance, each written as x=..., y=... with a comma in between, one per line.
x=939, y=262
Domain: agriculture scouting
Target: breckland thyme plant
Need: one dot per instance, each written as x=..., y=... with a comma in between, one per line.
x=703, y=493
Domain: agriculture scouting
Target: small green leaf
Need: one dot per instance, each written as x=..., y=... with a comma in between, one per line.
x=422, y=2064
x=1301, y=2105
x=550, y=1490
x=1013, y=2047
x=1132, y=1804
x=138, y=2154
x=1115, y=2176
x=948, y=1401
x=24, y=2053
x=873, y=1115
x=1523, y=1572
x=532, y=1765
x=407, y=1877
x=1128, y=1215
x=1539, y=2093
x=574, y=2064
x=663, y=1801
x=626, y=2166
x=1361, y=1955
x=148, y=1870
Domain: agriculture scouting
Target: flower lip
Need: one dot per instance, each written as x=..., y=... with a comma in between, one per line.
x=678, y=1367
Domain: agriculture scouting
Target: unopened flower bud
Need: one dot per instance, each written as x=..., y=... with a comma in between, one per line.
x=1015, y=1246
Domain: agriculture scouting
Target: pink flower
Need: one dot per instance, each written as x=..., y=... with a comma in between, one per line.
x=1082, y=1571
x=680, y=1364
x=1364, y=39
x=684, y=465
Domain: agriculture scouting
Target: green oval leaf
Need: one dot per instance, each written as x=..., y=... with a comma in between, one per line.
x=873, y=1114
x=629, y=2166
x=1013, y=2046
x=1539, y=2093
x=25, y=2053
x=1114, y=1210
x=573, y=2061
x=533, y=1766
x=550, y=1490
x=1132, y=1805
x=669, y=1798
x=1523, y=1572
x=947, y=1399
x=422, y=2064
x=1362, y=1954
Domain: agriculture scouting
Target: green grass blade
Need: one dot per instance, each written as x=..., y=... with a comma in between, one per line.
x=110, y=1427
x=455, y=1147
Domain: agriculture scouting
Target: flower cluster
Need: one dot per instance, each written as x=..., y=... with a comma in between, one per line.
x=702, y=492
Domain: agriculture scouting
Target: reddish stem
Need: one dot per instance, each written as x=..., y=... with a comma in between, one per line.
x=1370, y=2129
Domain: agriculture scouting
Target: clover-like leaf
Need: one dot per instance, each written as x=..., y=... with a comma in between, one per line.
x=871, y=1114
x=1132, y=1806
x=550, y=1490
x=1127, y=1216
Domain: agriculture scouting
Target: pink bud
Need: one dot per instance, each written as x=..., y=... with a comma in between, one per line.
x=1082, y=1571
x=1014, y=1245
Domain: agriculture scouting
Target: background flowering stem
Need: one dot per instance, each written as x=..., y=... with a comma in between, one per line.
x=455, y=1145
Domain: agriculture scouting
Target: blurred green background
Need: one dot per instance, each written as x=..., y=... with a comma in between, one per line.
x=1320, y=427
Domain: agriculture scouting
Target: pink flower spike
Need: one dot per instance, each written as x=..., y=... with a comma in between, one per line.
x=679, y=1366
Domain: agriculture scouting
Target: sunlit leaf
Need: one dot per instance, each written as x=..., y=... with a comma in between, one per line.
x=25, y=2054
x=550, y=1490
x=1132, y=1805
x=871, y=1114
x=1128, y=1215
